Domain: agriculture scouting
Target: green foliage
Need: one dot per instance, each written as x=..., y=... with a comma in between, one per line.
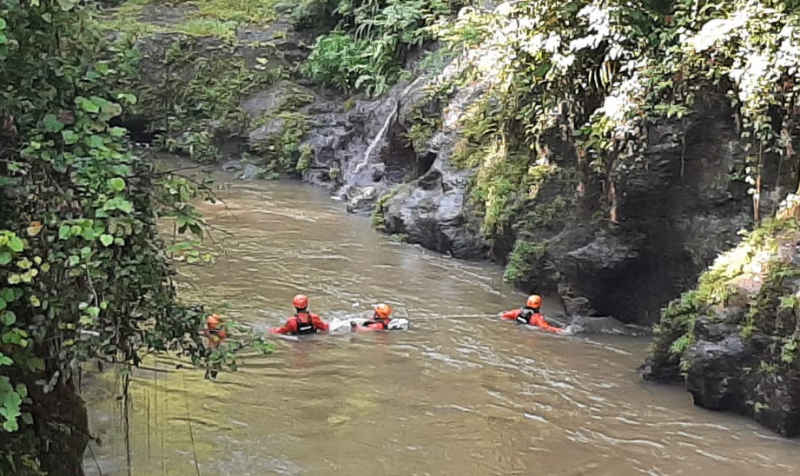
x=525, y=262
x=287, y=148
x=680, y=345
x=304, y=161
x=83, y=272
x=238, y=11
x=369, y=48
x=339, y=60
x=224, y=30
x=751, y=274
x=207, y=18
x=194, y=112
x=789, y=350
x=378, y=219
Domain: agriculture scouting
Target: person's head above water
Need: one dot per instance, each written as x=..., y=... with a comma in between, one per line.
x=213, y=321
x=534, y=301
x=300, y=302
x=383, y=311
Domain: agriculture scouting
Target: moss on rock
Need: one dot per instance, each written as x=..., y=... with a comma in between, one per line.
x=734, y=338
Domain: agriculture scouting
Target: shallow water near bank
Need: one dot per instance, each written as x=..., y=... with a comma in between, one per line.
x=460, y=393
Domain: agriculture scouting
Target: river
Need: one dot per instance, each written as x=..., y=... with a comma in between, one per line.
x=460, y=393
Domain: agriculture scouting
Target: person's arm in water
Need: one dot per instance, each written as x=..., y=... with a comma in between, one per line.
x=538, y=320
x=374, y=326
x=511, y=315
x=289, y=328
x=319, y=323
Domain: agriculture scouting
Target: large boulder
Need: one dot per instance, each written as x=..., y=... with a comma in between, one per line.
x=434, y=209
x=735, y=340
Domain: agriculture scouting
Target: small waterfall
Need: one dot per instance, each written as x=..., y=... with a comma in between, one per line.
x=380, y=136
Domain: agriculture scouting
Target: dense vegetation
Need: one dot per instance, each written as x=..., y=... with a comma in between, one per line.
x=83, y=271
x=574, y=89
x=371, y=40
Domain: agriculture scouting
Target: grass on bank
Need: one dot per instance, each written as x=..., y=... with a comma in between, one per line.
x=215, y=18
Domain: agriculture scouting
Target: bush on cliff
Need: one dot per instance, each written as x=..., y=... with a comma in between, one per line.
x=372, y=40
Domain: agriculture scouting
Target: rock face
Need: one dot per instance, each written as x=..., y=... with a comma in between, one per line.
x=734, y=340
x=433, y=210
x=677, y=213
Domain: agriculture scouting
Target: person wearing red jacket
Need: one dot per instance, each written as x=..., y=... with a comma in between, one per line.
x=530, y=315
x=303, y=322
x=380, y=320
x=216, y=335
x=214, y=331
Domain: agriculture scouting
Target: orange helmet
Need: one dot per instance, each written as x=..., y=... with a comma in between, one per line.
x=213, y=321
x=300, y=301
x=534, y=301
x=383, y=311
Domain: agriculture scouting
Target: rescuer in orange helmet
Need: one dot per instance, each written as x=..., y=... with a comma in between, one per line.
x=303, y=322
x=214, y=331
x=379, y=321
x=530, y=315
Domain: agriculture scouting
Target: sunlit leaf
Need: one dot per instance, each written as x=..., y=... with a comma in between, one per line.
x=116, y=184
x=15, y=244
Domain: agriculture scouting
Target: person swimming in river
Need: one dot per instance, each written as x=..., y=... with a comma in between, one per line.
x=214, y=331
x=379, y=322
x=216, y=335
x=303, y=322
x=530, y=315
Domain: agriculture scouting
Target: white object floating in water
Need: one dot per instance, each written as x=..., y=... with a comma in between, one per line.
x=398, y=324
x=344, y=326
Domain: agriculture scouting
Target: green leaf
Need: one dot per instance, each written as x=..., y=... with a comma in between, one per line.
x=87, y=104
x=67, y=5
x=95, y=141
x=5, y=258
x=70, y=137
x=106, y=240
x=102, y=67
x=93, y=311
x=5, y=360
x=2, y=24
x=8, y=318
x=73, y=260
x=117, y=131
x=52, y=124
x=2, y=304
x=15, y=244
x=116, y=184
x=126, y=97
x=118, y=203
x=10, y=294
x=64, y=232
x=36, y=364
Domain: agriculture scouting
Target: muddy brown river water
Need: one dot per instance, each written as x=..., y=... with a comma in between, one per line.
x=460, y=393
